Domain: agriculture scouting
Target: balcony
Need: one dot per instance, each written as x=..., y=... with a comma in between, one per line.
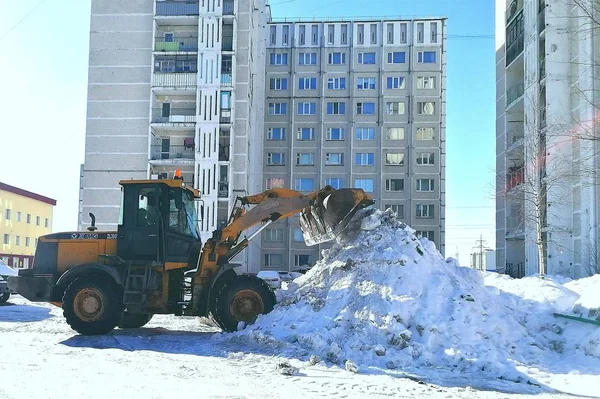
x=515, y=177
x=223, y=189
x=225, y=116
x=226, y=80
x=174, y=115
x=173, y=152
x=514, y=93
x=177, y=8
x=182, y=44
x=228, y=7
x=184, y=80
x=513, y=140
x=514, y=49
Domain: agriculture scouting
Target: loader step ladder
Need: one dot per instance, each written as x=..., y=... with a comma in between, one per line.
x=136, y=284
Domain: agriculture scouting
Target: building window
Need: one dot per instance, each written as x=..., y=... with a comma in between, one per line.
x=307, y=58
x=315, y=34
x=396, y=82
x=278, y=59
x=390, y=33
x=426, y=108
x=27, y=241
x=334, y=158
x=425, y=211
x=28, y=218
x=334, y=134
x=395, y=108
x=307, y=84
x=360, y=37
x=335, y=182
x=330, y=34
x=394, y=185
x=46, y=222
x=37, y=220
x=276, y=133
x=286, y=34
x=277, y=108
x=425, y=234
x=336, y=108
x=397, y=209
x=396, y=57
x=297, y=235
x=394, y=158
x=302, y=34
x=364, y=159
x=17, y=240
x=403, y=33
x=304, y=184
x=305, y=158
x=395, y=133
x=274, y=235
x=274, y=182
x=307, y=108
x=365, y=84
x=306, y=133
x=425, y=133
x=425, y=158
x=433, y=30
x=6, y=239
x=425, y=185
x=278, y=84
x=35, y=242
x=420, y=32
x=344, y=34
x=373, y=33
x=426, y=82
x=301, y=260
x=365, y=108
x=366, y=184
x=336, y=83
x=18, y=216
x=337, y=58
x=273, y=35
x=7, y=213
x=273, y=261
x=366, y=58
x=275, y=159
x=365, y=133
x=426, y=57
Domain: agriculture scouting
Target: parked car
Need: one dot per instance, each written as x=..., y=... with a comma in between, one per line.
x=4, y=291
x=286, y=276
x=271, y=277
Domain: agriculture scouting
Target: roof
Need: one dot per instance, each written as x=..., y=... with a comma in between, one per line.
x=25, y=193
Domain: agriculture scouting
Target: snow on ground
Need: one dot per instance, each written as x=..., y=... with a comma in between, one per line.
x=382, y=315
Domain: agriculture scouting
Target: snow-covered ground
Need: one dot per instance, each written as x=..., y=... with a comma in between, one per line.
x=382, y=315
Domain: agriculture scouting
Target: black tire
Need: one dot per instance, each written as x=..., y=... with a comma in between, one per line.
x=134, y=320
x=242, y=299
x=4, y=297
x=104, y=305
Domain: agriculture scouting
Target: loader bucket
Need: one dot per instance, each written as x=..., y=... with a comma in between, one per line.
x=330, y=214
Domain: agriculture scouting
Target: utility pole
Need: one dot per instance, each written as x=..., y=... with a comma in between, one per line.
x=480, y=246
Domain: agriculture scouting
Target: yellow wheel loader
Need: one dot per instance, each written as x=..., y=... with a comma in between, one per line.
x=155, y=262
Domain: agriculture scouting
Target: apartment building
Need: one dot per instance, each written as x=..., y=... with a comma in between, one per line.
x=356, y=103
x=174, y=85
x=546, y=163
x=24, y=216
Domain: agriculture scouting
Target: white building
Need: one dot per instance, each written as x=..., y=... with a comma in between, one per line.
x=174, y=85
x=546, y=57
x=483, y=260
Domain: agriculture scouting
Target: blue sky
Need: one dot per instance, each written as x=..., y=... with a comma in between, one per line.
x=44, y=70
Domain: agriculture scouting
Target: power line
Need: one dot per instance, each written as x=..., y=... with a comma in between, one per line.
x=22, y=19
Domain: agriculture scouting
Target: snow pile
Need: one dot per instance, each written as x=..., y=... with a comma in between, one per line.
x=384, y=298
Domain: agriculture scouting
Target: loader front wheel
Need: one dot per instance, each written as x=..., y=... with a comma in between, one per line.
x=92, y=305
x=4, y=297
x=134, y=320
x=243, y=299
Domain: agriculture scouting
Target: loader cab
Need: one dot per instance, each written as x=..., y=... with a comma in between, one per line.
x=158, y=222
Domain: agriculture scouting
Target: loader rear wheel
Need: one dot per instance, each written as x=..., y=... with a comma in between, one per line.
x=243, y=299
x=134, y=320
x=92, y=305
x=4, y=297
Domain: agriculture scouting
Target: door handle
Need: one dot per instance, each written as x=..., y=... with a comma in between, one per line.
x=151, y=235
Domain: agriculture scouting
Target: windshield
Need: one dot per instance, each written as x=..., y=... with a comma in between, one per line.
x=183, y=217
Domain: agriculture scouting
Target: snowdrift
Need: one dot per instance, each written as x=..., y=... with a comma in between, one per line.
x=384, y=298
